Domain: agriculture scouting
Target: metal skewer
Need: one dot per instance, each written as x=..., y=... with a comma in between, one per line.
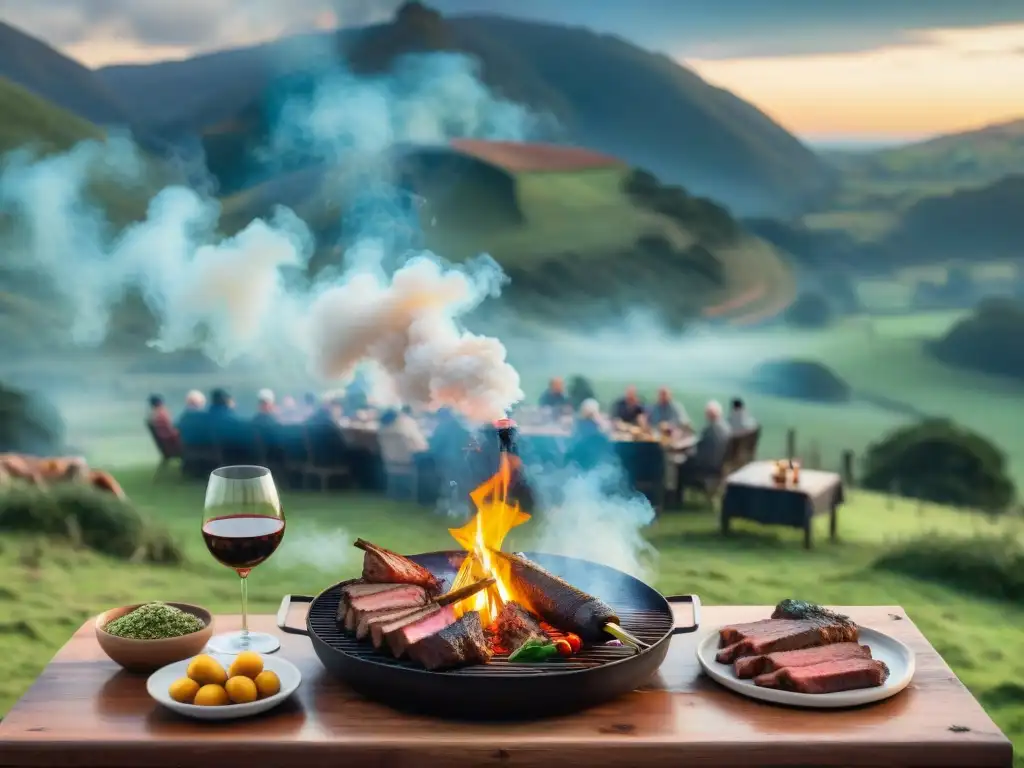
x=623, y=636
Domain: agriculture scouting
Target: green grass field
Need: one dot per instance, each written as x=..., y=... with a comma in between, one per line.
x=48, y=589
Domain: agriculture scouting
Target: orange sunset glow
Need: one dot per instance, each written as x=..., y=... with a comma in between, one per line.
x=945, y=81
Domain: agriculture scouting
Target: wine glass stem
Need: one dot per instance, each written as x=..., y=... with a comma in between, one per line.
x=245, y=606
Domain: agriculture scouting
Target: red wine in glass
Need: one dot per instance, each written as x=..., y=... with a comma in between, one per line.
x=243, y=541
x=243, y=524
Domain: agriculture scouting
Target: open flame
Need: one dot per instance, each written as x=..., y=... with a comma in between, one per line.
x=494, y=518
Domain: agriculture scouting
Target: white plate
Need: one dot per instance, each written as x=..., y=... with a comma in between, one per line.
x=897, y=656
x=160, y=681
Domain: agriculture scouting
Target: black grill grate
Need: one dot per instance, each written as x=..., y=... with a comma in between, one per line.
x=647, y=626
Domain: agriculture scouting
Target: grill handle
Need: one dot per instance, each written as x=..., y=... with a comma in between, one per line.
x=282, y=613
x=693, y=600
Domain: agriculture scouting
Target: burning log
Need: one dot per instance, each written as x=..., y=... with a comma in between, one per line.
x=557, y=601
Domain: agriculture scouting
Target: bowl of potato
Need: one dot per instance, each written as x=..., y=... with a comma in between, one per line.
x=216, y=687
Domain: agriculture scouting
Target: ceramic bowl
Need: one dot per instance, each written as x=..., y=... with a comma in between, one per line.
x=150, y=655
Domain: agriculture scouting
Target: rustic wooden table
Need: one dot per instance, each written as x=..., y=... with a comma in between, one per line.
x=84, y=712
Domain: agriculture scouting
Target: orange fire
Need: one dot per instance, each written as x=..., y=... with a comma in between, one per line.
x=494, y=518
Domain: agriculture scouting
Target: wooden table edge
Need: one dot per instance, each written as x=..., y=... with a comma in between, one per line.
x=987, y=750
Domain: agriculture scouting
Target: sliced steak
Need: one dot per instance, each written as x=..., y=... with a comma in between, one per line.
x=384, y=566
x=407, y=594
x=514, y=626
x=359, y=589
x=737, y=632
x=788, y=635
x=400, y=638
x=457, y=645
x=380, y=629
x=752, y=666
x=827, y=677
x=365, y=622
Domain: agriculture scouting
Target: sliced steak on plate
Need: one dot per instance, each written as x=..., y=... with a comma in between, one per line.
x=828, y=676
x=787, y=635
x=752, y=666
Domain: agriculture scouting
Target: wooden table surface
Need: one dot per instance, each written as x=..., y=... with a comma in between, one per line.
x=83, y=712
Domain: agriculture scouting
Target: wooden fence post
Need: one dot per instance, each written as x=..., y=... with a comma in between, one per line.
x=848, y=476
x=790, y=443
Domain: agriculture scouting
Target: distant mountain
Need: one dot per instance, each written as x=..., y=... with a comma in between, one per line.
x=979, y=156
x=606, y=94
x=31, y=63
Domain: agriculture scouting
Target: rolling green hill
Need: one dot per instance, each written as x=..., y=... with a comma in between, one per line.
x=63, y=81
x=605, y=94
x=27, y=119
x=968, y=158
x=578, y=247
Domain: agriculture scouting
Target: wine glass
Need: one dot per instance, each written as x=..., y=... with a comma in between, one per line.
x=243, y=524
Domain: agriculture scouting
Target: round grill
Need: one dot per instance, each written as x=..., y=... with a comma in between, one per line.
x=502, y=689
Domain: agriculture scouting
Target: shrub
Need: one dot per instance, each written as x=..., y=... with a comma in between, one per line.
x=580, y=389
x=988, y=340
x=88, y=517
x=988, y=566
x=810, y=310
x=29, y=423
x=940, y=461
x=800, y=380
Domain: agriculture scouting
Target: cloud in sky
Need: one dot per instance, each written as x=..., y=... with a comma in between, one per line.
x=102, y=31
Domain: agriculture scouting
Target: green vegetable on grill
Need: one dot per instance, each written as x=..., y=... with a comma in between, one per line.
x=534, y=650
x=154, y=621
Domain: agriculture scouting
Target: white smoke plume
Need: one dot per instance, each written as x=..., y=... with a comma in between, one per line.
x=247, y=296
x=407, y=325
x=588, y=522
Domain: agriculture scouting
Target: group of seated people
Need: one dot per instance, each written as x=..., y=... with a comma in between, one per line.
x=591, y=436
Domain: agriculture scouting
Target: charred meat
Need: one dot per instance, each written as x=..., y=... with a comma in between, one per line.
x=788, y=635
x=752, y=666
x=384, y=566
x=456, y=645
x=828, y=676
x=400, y=638
x=514, y=626
x=801, y=609
x=556, y=601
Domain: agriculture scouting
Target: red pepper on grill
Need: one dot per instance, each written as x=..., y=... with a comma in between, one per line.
x=574, y=642
x=563, y=646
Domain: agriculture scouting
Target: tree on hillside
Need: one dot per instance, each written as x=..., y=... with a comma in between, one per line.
x=989, y=340
x=940, y=461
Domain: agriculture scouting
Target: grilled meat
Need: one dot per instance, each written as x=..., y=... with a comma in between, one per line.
x=555, y=600
x=367, y=619
x=515, y=625
x=788, y=635
x=407, y=594
x=737, y=632
x=359, y=589
x=752, y=666
x=380, y=629
x=801, y=609
x=384, y=566
x=401, y=637
x=828, y=676
x=456, y=645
